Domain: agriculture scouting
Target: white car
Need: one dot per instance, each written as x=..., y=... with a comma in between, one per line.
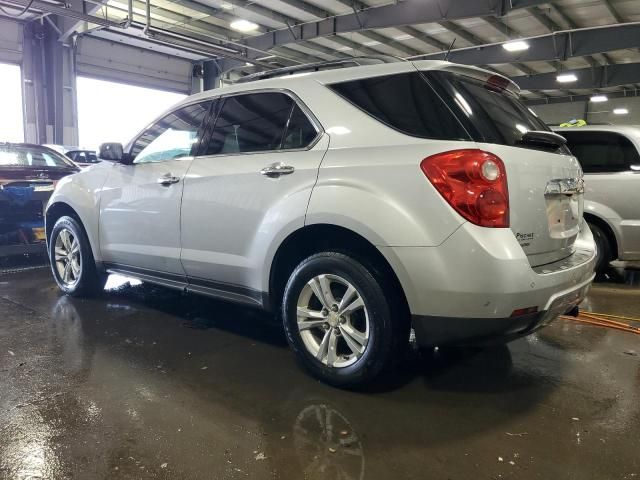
x=354, y=202
x=610, y=158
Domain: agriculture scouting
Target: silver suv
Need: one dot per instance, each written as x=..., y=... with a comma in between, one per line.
x=611, y=162
x=356, y=203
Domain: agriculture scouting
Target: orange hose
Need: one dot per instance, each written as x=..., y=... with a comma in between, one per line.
x=605, y=320
x=593, y=319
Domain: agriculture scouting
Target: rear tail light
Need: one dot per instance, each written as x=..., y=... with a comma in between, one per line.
x=473, y=182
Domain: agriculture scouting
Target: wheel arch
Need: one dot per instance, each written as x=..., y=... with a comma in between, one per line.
x=607, y=229
x=59, y=209
x=315, y=238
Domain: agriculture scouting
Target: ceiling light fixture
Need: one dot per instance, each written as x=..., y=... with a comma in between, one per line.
x=226, y=6
x=515, y=46
x=599, y=98
x=620, y=111
x=566, y=78
x=243, y=25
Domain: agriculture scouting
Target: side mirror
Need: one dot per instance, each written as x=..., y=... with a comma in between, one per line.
x=113, y=152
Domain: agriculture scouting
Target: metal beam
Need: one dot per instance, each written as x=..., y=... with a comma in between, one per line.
x=459, y=31
x=588, y=78
x=322, y=49
x=389, y=42
x=423, y=38
x=306, y=8
x=552, y=26
x=579, y=98
x=64, y=12
x=408, y=12
x=556, y=46
x=612, y=10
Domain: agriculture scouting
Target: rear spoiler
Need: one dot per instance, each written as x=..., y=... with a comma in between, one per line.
x=495, y=79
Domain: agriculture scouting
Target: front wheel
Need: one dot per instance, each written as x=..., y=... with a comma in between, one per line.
x=341, y=319
x=71, y=258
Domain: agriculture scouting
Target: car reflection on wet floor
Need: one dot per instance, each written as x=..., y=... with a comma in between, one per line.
x=146, y=382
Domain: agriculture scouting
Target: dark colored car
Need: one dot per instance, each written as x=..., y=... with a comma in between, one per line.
x=28, y=175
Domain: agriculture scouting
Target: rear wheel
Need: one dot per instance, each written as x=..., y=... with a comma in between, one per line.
x=342, y=319
x=71, y=258
x=603, y=254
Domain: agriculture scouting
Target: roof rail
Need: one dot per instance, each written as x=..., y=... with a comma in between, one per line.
x=315, y=67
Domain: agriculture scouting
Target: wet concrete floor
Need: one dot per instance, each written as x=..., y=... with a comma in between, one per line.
x=146, y=383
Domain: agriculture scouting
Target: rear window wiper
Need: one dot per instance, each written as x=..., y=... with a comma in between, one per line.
x=542, y=139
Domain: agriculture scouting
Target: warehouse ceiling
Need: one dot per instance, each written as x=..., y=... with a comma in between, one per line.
x=596, y=40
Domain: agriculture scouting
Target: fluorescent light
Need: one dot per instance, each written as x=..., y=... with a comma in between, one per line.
x=566, y=78
x=243, y=25
x=402, y=37
x=599, y=98
x=516, y=46
x=620, y=111
x=226, y=6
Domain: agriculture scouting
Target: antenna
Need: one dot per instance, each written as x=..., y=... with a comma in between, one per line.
x=446, y=55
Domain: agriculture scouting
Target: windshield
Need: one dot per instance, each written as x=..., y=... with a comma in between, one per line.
x=490, y=113
x=32, y=157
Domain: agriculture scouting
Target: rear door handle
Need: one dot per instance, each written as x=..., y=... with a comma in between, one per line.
x=276, y=169
x=168, y=179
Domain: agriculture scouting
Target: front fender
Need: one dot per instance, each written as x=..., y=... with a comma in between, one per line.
x=81, y=192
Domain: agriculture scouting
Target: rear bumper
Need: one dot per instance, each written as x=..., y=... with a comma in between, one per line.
x=432, y=331
x=469, y=286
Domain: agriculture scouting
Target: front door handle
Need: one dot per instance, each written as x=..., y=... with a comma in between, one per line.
x=168, y=179
x=276, y=169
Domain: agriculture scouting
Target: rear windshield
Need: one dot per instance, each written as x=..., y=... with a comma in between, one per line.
x=30, y=157
x=490, y=113
x=406, y=103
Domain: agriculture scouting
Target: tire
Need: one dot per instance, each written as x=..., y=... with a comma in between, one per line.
x=368, y=339
x=75, y=273
x=603, y=253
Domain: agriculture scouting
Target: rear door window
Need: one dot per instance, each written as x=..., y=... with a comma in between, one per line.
x=404, y=102
x=602, y=152
x=300, y=131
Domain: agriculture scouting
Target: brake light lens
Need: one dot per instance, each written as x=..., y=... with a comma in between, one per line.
x=473, y=182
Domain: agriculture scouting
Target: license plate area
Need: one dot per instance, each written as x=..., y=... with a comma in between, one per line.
x=564, y=205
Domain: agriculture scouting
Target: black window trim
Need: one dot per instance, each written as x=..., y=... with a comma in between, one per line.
x=296, y=101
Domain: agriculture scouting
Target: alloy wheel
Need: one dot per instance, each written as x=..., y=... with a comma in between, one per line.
x=67, y=257
x=333, y=320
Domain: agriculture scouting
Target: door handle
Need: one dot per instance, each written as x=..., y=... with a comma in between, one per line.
x=168, y=179
x=276, y=169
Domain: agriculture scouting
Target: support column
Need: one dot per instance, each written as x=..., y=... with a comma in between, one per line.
x=49, y=86
x=212, y=74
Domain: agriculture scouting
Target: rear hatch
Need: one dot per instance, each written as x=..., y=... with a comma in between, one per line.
x=544, y=179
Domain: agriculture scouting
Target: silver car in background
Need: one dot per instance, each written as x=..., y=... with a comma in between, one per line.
x=610, y=159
